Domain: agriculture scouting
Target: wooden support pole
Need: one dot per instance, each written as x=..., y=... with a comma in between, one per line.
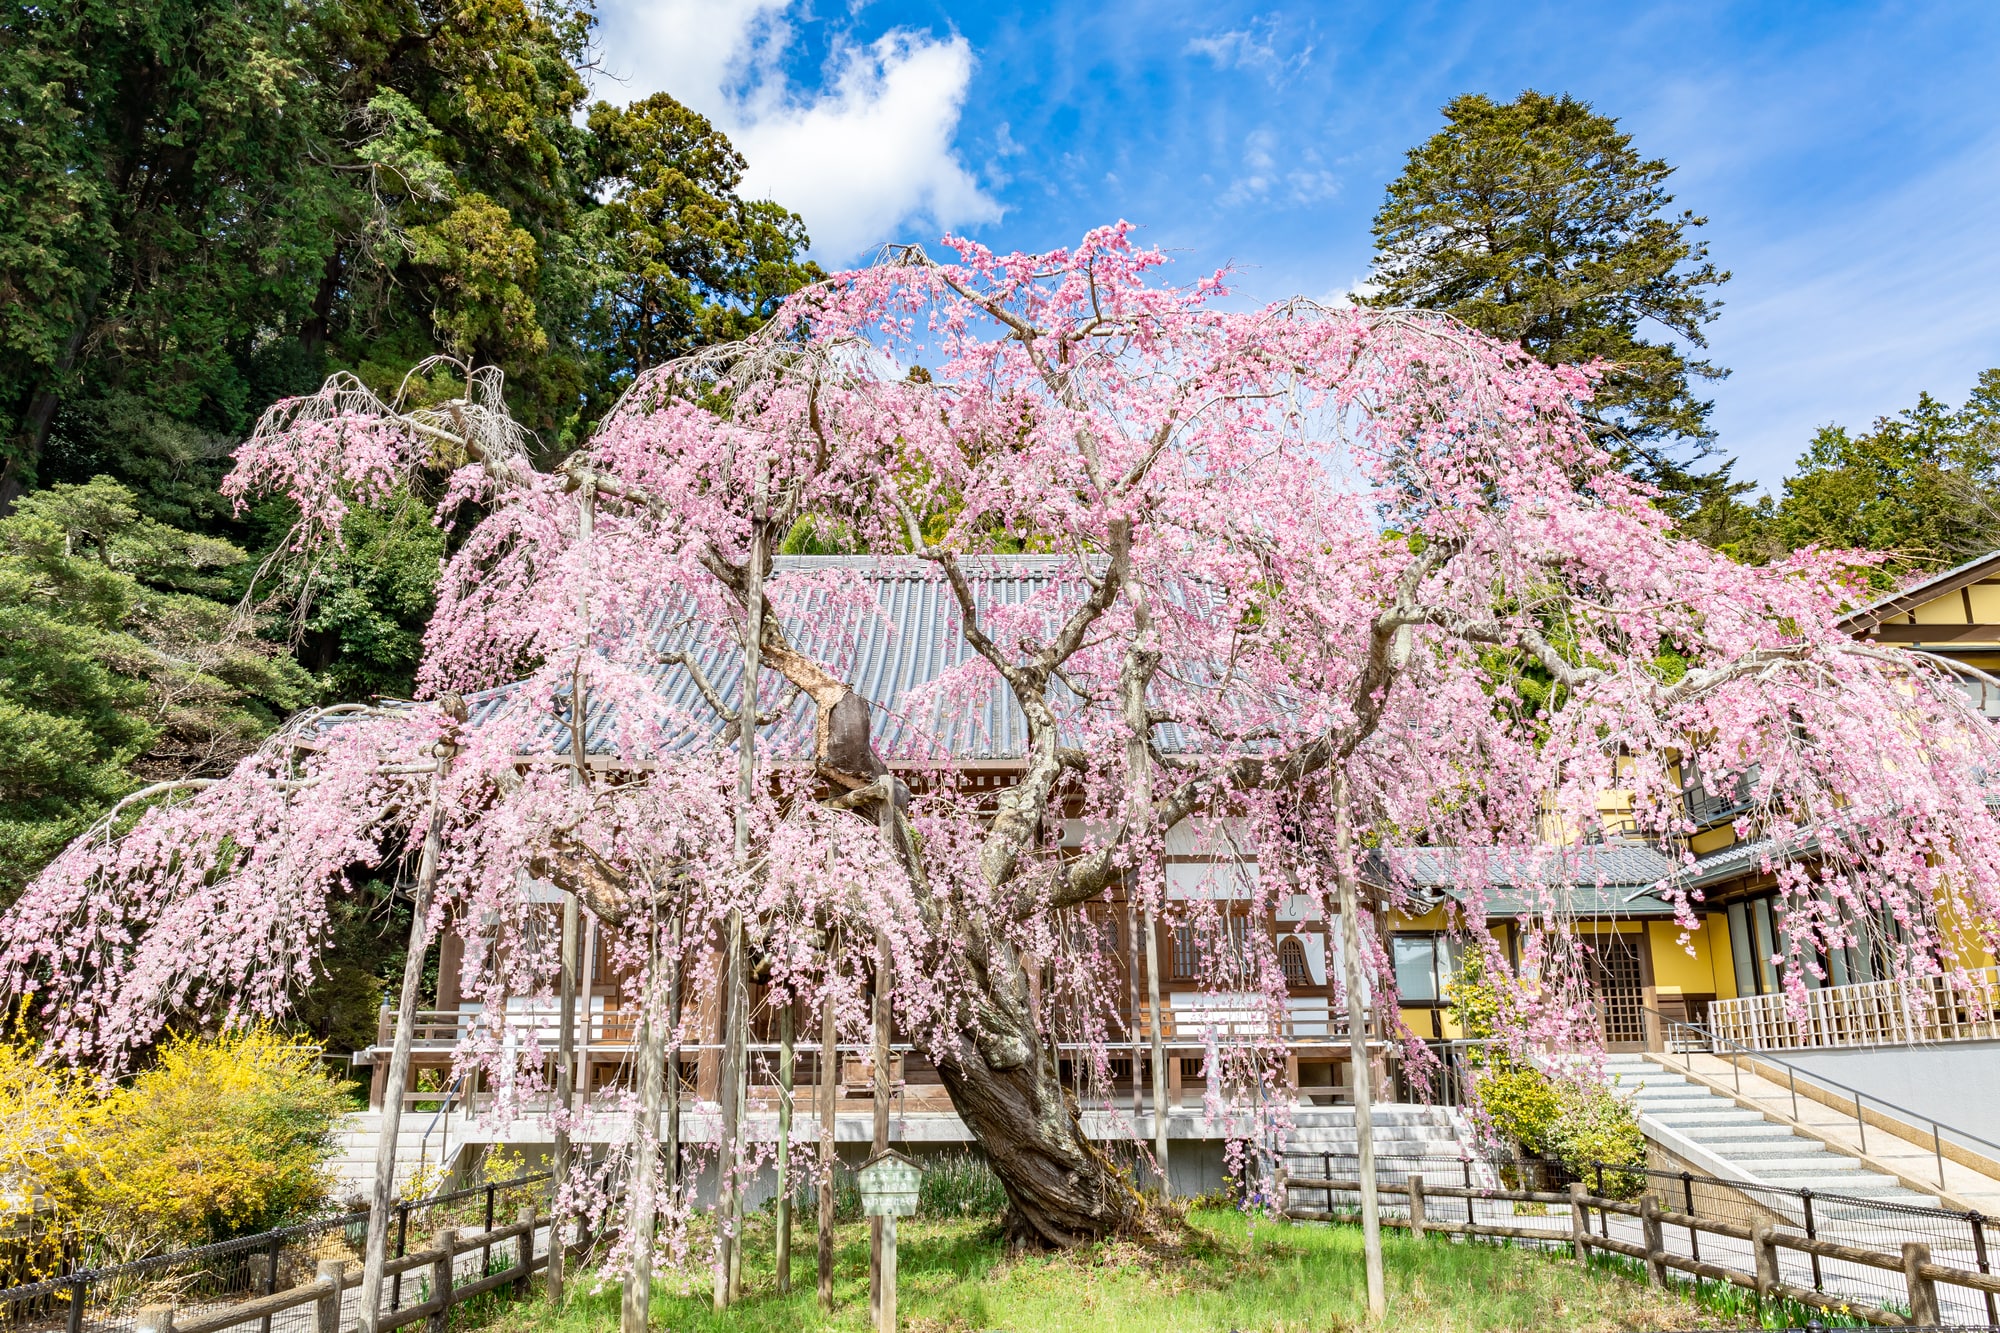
x=572, y=933
x=880, y=1138
x=885, y=1319
x=736, y=1019
x=829, y=1100
x=1357, y=1042
x=670, y=1074
x=331, y=1280
x=635, y=1307
x=154, y=1319
x=572, y=921
x=1579, y=1222
x=1159, y=1045
x=1923, y=1291
x=1656, y=1241
x=1764, y=1258
x=1416, y=1186
x=375, y=1253
x=784, y=1255
x=445, y=1243
x=524, y=1250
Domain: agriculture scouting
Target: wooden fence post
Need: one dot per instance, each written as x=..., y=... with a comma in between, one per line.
x=1417, y=1207
x=332, y=1280
x=446, y=1242
x=1766, y=1256
x=1579, y=1222
x=524, y=1249
x=1656, y=1241
x=155, y=1319
x=1923, y=1291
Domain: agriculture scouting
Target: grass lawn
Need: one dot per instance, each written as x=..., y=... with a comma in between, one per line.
x=1266, y=1278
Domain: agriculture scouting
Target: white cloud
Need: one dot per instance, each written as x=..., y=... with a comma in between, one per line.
x=1262, y=178
x=861, y=157
x=1253, y=47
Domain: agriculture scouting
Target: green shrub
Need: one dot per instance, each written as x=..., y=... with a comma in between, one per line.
x=960, y=1184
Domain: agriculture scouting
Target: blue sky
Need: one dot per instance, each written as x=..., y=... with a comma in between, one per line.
x=1847, y=156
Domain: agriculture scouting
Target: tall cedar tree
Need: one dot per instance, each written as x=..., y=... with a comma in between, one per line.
x=1536, y=221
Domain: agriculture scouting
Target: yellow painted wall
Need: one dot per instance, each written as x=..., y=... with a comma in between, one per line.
x=1713, y=840
x=1985, y=603
x=1674, y=972
x=1946, y=610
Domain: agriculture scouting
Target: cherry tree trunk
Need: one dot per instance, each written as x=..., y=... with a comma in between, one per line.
x=1003, y=1083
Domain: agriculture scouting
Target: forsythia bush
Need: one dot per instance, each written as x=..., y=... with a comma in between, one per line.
x=220, y=1137
x=1576, y=1121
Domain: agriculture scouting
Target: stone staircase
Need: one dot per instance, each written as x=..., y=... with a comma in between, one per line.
x=354, y=1152
x=1677, y=1113
x=1436, y=1142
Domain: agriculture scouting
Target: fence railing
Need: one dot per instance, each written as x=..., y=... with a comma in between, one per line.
x=610, y=1030
x=1884, y=1263
x=438, y=1265
x=237, y=1280
x=1866, y=1013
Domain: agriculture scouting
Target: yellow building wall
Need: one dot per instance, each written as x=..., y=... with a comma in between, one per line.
x=1946, y=610
x=1713, y=840
x=1985, y=603
x=1675, y=972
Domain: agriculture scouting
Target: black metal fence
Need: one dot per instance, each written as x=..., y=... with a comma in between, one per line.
x=211, y=1277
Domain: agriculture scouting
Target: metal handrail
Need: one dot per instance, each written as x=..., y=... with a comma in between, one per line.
x=1792, y=1073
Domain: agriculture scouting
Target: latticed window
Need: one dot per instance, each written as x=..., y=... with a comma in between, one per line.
x=1184, y=956
x=1292, y=961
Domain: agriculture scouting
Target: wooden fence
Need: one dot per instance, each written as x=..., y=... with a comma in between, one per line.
x=335, y=1277
x=1866, y=1013
x=1920, y=1276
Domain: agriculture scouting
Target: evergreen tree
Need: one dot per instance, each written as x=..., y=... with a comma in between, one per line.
x=121, y=661
x=1923, y=486
x=1538, y=222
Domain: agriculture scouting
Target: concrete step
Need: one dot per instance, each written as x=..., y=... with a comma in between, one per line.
x=1761, y=1132
x=1773, y=1153
x=1721, y=1114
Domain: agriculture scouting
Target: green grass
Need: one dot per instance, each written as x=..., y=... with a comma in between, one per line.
x=1741, y=1308
x=1230, y=1274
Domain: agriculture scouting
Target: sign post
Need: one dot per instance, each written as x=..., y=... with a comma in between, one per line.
x=889, y=1183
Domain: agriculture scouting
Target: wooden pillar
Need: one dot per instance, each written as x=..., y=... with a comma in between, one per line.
x=572, y=941
x=1417, y=1207
x=1166, y=1082
x=1764, y=1256
x=1579, y=1223
x=829, y=1104
x=784, y=1243
x=332, y=1280
x=1922, y=1290
x=1656, y=1241
x=440, y=1319
x=376, y=1247
x=880, y=1138
x=524, y=1251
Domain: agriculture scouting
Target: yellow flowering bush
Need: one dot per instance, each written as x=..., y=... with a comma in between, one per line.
x=220, y=1137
